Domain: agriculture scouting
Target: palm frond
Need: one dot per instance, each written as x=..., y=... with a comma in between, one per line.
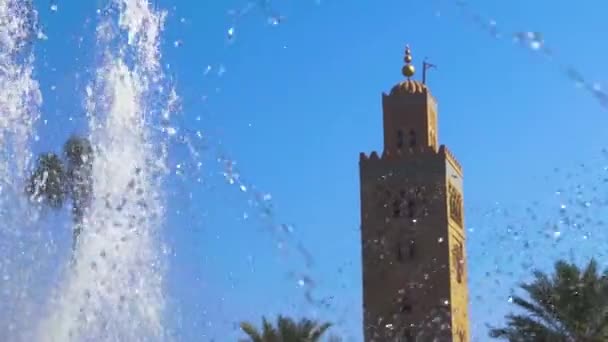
x=269, y=333
x=319, y=331
x=251, y=332
x=287, y=329
x=570, y=305
x=525, y=329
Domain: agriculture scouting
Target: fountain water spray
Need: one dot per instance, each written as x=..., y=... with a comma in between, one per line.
x=20, y=99
x=113, y=289
x=20, y=96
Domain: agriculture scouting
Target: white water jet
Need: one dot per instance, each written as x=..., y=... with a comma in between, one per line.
x=20, y=96
x=113, y=289
x=20, y=99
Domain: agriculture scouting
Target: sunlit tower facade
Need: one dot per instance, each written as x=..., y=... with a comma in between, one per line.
x=412, y=225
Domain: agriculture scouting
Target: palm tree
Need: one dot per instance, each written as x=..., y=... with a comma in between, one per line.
x=570, y=306
x=287, y=330
x=54, y=180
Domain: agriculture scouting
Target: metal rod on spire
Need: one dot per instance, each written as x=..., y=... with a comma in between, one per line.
x=425, y=66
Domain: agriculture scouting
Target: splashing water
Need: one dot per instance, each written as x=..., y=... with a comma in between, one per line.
x=113, y=288
x=20, y=96
x=20, y=99
x=533, y=41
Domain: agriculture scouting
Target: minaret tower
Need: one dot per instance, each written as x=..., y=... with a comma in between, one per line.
x=412, y=225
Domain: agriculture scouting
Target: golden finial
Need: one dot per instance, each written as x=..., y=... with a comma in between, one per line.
x=408, y=69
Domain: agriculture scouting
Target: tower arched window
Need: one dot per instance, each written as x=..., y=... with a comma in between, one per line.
x=399, y=139
x=407, y=336
x=412, y=138
x=397, y=208
x=411, y=209
x=406, y=250
x=406, y=306
x=412, y=249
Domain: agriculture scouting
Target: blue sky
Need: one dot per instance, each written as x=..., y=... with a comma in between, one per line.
x=293, y=104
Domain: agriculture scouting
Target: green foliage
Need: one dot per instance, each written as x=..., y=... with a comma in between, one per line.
x=48, y=181
x=79, y=154
x=55, y=180
x=78, y=151
x=570, y=306
x=286, y=330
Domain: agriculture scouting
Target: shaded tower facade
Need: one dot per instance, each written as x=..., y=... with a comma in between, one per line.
x=412, y=226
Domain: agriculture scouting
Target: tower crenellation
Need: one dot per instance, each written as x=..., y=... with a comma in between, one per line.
x=451, y=157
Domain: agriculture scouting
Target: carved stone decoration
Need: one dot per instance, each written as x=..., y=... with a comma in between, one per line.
x=458, y=261
x=433, y=128
x=461, y=335
x=455, y=205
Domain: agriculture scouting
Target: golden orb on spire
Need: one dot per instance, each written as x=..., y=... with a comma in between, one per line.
x=408, y=69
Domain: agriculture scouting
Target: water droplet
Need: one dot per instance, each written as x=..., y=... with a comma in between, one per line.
x=440, y=240
x=42, y=36
x=275, y=20
x=54, y=7
x=557, y=234
x=287, y=228
x=510, y=300
x=535, y=45
x=243, y=188
x=178, y=43
x=231, y=33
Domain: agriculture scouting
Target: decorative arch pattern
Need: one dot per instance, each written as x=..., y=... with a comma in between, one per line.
x=455, y=205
